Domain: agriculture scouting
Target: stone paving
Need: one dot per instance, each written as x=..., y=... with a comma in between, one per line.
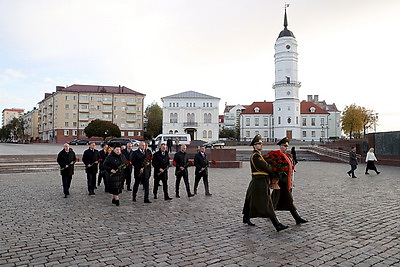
x=352, y=222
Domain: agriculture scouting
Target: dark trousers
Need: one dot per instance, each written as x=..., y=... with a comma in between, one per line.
x=102, y=175
x=163, y=178
x=91, y=181
x=353, y=168
x=197, y=179
x=179, y=176
x=145, y=182
x=128, y=180
x=66, y=183
x=169, y=149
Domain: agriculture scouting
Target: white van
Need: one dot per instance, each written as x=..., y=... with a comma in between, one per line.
x=184, y=139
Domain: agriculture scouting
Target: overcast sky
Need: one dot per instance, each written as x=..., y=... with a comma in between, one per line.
x=348, y=50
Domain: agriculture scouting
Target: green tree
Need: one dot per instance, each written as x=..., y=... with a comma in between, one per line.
x=227, y=133
x=102, y=129
x=5, y=133
x=352, y=120
x=15, y=127
x=154, y=115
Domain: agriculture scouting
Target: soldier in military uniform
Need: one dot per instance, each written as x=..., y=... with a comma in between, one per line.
x=282, y=198
x=258, y=201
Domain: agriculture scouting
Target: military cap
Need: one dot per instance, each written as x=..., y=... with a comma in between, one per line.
x=283, y=142
x=256, y=140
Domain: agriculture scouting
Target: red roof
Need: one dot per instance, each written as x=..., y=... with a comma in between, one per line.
x=265, y=108
x=306, y=106
x=14, y=109
x=97, y=89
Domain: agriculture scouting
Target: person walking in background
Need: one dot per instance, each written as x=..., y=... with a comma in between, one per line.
x=181, y=160
x=294, y=156
x=177, y=144
x=370, y=160
x=128, y=151
x=283, y=198
x=66, y=159
x=161, y=165
x=258, y=202
x=115, y=165
x=201, y=171
x=102, y=156
x=91, y=159
x=169, y=145
x=153, y=145
x=141, y=161
x=353, y=162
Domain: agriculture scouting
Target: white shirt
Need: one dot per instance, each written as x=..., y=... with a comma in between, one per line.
x=370, y=157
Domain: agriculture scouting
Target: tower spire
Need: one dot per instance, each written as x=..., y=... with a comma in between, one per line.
x=285, y=24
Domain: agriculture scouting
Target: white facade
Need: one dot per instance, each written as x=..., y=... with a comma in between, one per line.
x=193, y=113
x=286, y=86
x=231, y=116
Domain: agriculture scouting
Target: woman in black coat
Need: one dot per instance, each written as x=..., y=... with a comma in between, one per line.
x=114, y=165
x=66, y=159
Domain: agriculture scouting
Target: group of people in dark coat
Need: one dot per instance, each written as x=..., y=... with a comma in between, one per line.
x=116, y=165
x=259, y=201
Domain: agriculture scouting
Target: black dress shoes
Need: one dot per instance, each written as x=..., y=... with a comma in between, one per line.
x=247, y=221
x=117, y=202
x=167, y=198
x=279, y=227
x=301, y=220
x=65, y=196
x=208, y=194
x=191, y=195
x=113, y=201
x=155, y=196
x=147, y=201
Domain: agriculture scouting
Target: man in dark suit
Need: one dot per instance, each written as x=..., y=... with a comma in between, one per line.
x=353, y=162
x=161, y=166
x=127, y=152
x=66, y=159
x=141, y=161
x=201, y=163
x=91, y=159
x=169, y=145
x=181, y=160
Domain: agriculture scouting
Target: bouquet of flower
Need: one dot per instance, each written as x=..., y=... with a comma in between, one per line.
x=213, y=162
x=72, y=163
x=169, y=165
x=122, y=167
x=147, y=160
x=280, y=167
x=187, y=165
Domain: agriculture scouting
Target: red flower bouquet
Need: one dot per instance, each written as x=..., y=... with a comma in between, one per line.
x=187, y=165
x=213, y=162
x=147, y=161
x=280, y=167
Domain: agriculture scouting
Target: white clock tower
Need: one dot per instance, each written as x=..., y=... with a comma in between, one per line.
x=287, y=104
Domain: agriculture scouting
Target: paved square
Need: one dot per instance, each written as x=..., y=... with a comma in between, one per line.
x=351, y=222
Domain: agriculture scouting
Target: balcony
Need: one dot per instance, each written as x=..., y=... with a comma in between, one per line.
x=107, y=111
x=130, y=111
x=130, y=119
x=131, y=103
x=190, y=124
x=283, y=83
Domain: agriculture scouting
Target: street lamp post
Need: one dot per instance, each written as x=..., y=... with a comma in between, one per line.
x=375, y=116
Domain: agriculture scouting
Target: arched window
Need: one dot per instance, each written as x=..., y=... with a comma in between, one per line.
x=171, y=132
x=190, y=117
x=204, y=134
x=173, y=118
x=209, y=134
x=176, y=131
x=207, y=117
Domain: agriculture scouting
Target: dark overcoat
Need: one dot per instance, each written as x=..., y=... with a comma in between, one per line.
x=258, y=197
x=90, y=157
x=181, y=160
x=114, y=162
x=65, y=158
x=160, y=161
x=138, y=161
x=200, y=162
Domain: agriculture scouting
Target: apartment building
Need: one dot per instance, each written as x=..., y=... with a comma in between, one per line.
x=30, y=122
x=11, y=113
x=64, y=114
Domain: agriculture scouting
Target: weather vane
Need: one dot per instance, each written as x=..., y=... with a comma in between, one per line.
x=286, y=5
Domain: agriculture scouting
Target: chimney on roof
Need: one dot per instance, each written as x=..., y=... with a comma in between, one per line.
x=59, y=88
x=119, y=88
x=309, y=98
x=315, y=98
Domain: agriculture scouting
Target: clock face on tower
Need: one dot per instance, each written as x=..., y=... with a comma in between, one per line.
x=287, y=46
x=288, y=92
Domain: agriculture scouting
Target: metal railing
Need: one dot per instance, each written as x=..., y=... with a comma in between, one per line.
x=332, y=153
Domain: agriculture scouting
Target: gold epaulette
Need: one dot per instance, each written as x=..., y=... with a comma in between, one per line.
x=259, y=173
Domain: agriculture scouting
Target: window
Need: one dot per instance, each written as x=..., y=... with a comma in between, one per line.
x=323, y=134
x=247, y=121
x=304, y=134
x=74, y=115
x=66, y=132
x=297, y=120
x=67, y=115
x=173, y=118
x=190, y=117
x=92, y=107
x=204, y=134
x=106, y=107
x=107, y=98
x=74, y=133
x=170, y=105
x=115, y=99
x=247, y=133
x=289, y=120
x=279, y=120
x=75, y=97
x=115, y=108
x=84, y=106
x=170, y=132
x=131, y=133
x=304, y=122
x=107, y=116
x=99, y=98
x=322, y=121
x=66, y=106
x=313, y=122
x=122, y=133
x=66, y=124
x=98, y=107
x=75, y=107
x=207, y=117
x=131, y=100
x=115, y=116
x=313, y=134
x=265, y=121
x=139, y=108
x=257, y=122
x=67, y=97
x=83, y=124
x=265, y=133
x=122, y=125
x=123, y=100
x=74, y=124
x=92, y=98
x=210, y=134
x=84, y=98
